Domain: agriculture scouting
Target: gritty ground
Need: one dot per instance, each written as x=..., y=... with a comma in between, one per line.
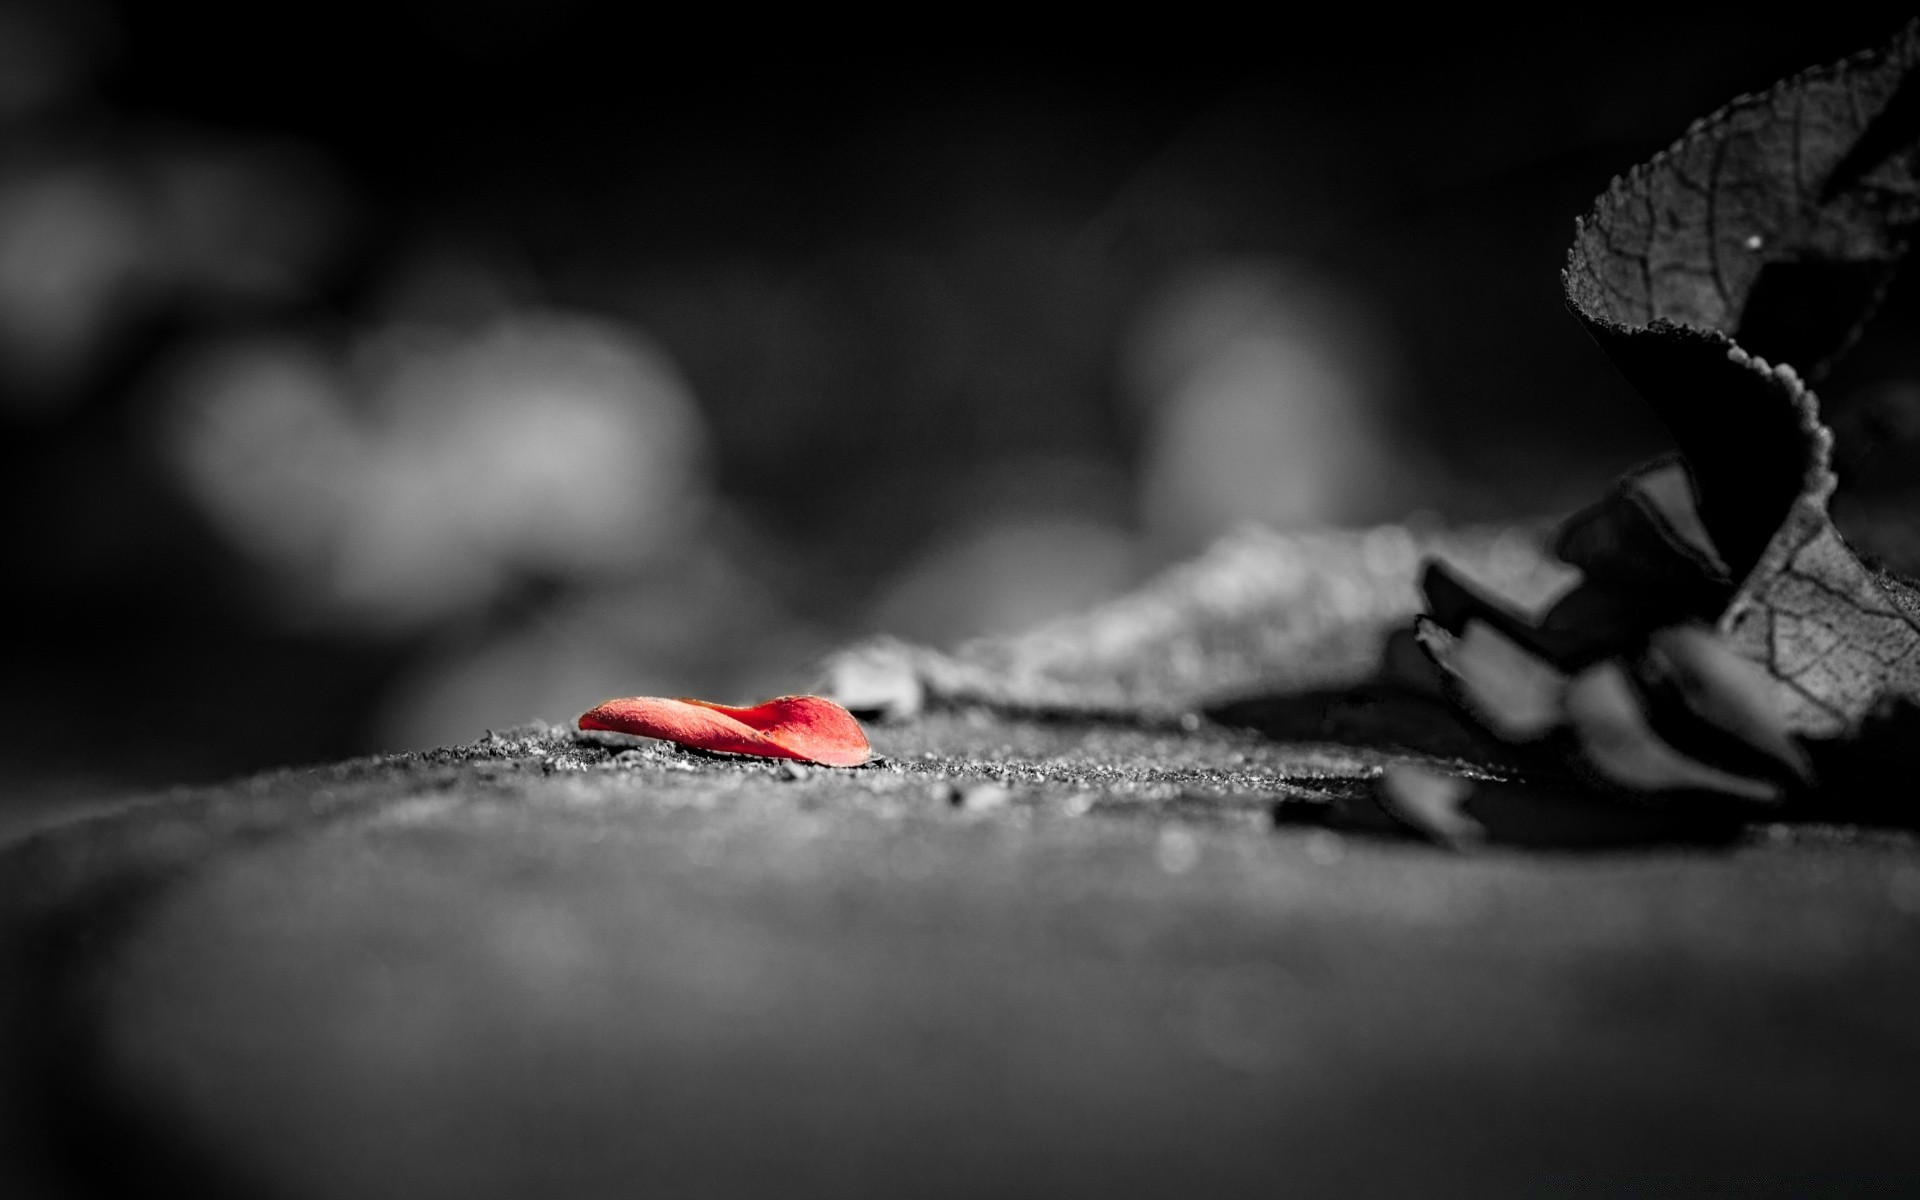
x=1016, y=956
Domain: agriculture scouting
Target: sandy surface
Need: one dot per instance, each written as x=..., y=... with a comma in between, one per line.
x=1017, y=957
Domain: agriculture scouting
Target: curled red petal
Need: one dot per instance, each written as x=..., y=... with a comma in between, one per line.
x=811, y=726
x=807, y=728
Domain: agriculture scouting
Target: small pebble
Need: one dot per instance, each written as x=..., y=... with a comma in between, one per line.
x=793, y=771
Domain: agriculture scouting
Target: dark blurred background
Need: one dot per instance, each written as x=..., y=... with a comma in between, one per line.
x=370, y=376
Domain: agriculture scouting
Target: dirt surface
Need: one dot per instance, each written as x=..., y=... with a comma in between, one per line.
x=1016, y=956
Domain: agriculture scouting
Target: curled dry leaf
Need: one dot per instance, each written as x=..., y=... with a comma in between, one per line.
x=1724, y=637
x=807, y=728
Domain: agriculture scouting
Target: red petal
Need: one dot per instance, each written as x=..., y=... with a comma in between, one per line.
x=803, y=727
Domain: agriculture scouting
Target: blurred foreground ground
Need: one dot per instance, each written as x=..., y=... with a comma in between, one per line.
x=1013, y=957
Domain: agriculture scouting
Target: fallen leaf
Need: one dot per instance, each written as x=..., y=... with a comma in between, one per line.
x=1766, y=233
x=807, y=728
x=1682, y=270
x=1776, y=221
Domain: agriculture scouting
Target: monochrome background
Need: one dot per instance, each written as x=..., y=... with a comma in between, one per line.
x=371, y=376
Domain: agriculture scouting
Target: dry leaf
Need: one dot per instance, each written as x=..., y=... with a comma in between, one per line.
x=1770, y=229
x=1768, y=232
